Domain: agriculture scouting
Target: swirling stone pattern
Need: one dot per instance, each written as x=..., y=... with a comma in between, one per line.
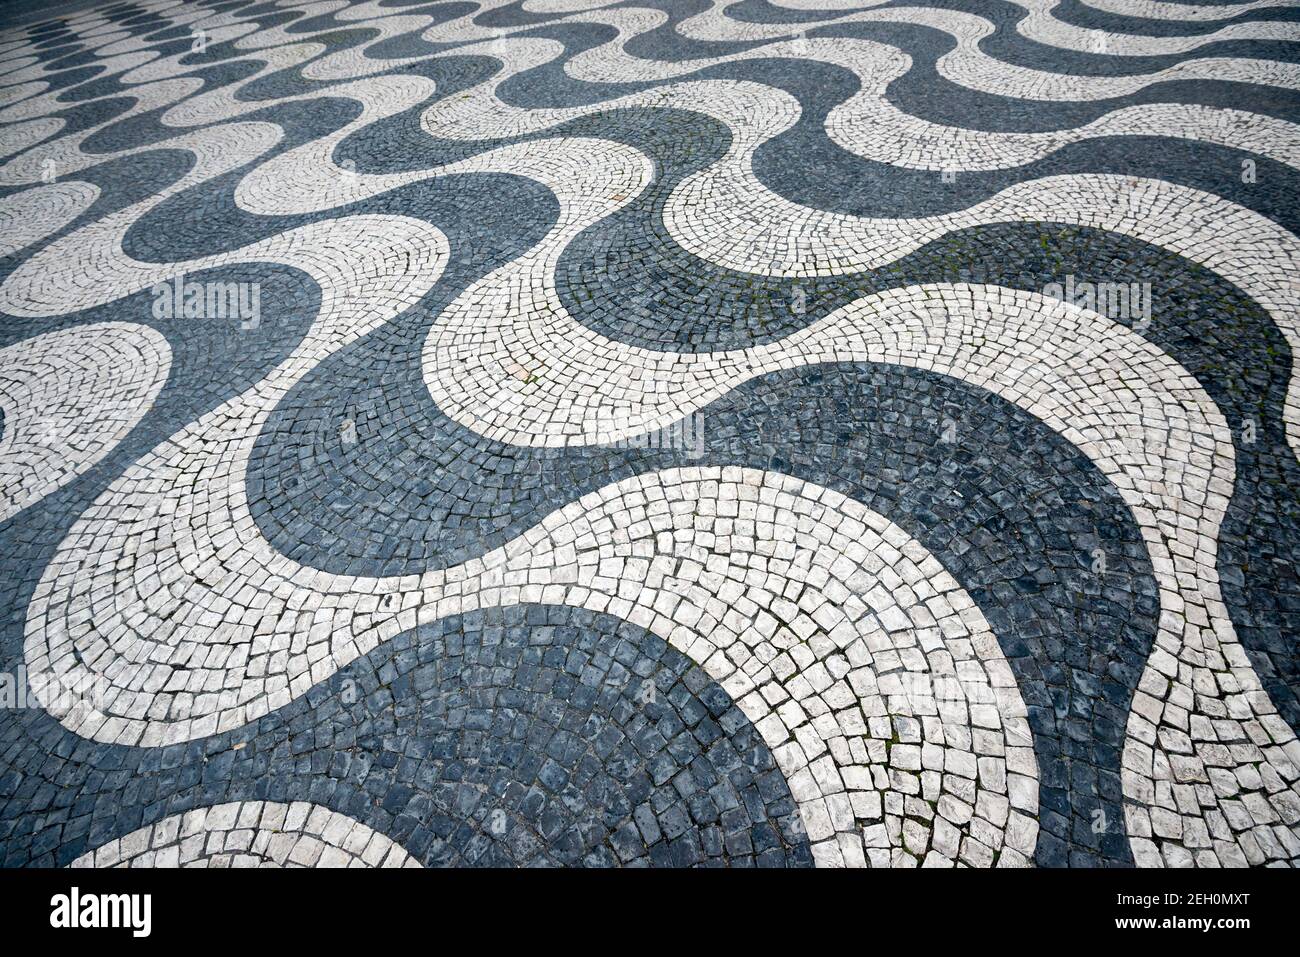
x=532, y=734
x=654, y=441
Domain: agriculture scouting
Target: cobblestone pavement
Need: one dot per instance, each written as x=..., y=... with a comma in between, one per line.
x=650, y=433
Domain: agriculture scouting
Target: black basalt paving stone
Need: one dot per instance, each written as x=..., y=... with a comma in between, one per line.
x=1007, y=44
x=212, y=361
x=529, y=735
x=426, y=737
x=1067, y=11
x=1011, y=510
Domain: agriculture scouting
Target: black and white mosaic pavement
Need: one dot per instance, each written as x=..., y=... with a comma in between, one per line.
x=771, y=433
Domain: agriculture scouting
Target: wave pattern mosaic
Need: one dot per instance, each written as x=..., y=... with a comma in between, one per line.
x=650, y=433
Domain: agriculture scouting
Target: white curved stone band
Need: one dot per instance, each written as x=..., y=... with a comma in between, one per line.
x=251, y=834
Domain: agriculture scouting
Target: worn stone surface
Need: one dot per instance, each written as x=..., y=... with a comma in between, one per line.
x=677, y=434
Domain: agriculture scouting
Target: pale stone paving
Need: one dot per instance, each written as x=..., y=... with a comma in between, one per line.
x=561, y=637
